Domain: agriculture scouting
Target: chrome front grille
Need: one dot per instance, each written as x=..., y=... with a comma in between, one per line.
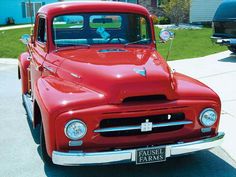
x=132, y=126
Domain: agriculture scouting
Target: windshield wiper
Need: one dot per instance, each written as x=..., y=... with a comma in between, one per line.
x=71, y=46
x=137, y=42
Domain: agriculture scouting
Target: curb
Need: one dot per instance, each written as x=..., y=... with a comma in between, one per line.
x=9, y=61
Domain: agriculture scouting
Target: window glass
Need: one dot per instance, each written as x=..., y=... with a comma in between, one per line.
x=37, y=7
x=29, y=9
x=133, y=1
x=68, y=21
x=226, y=11
x=41, y=36
x=100, y=28
x=143, y=28
x=161, y=2
x=154, y=3
x=105, y=21
x=32, y=8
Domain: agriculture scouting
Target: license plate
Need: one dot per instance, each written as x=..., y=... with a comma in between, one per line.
x=150, y=155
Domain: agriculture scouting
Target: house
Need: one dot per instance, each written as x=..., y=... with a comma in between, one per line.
x=19, y=10
x=22, y=12
x=152, y=5
x=202, y=11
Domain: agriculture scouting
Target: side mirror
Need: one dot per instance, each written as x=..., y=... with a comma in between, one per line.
x=25, y=39
x=166, y=35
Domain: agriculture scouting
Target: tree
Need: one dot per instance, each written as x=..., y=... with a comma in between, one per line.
x=177, y=10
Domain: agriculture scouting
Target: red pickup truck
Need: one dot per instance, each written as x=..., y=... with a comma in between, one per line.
x=102, y=94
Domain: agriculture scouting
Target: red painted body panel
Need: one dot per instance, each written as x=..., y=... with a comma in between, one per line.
x=89, y=85
x=94, y=142
x=23, y=66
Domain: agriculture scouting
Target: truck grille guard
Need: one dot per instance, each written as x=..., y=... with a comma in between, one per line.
x=132, y=126
x=138, y=127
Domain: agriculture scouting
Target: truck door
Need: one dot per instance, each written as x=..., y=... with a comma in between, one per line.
x=39, y=50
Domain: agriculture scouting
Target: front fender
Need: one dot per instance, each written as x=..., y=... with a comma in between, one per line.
x=55, y=96
x=189, y=88
x=23, y=64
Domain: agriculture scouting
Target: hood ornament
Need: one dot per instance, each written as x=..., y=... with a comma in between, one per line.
x=141, y=72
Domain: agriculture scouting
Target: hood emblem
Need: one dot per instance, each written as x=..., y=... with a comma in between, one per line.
x=141, y=72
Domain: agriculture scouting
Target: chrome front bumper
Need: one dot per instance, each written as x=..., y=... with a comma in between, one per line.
x=222, y=41
x=126, y=156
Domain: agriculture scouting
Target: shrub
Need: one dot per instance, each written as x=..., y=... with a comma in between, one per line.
x=164, y=20
x=10, y=21
x=177, y=10
x=155, y=19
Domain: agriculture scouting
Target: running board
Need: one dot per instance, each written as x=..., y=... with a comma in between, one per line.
x=28, y=106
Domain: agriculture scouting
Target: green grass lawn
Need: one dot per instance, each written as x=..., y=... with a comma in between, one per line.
x=10, y=44
x=187, y=44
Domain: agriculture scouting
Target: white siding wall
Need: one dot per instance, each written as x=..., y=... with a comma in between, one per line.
x=203, y=10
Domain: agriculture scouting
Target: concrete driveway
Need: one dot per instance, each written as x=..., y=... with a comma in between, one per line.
x=19, y=149
x=218, y=71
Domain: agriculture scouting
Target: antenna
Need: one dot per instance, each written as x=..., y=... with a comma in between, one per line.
x=170, y=47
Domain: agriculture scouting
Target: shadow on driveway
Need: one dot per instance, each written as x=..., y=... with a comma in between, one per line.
x=231, y=59
x=199, y=164
x=34, y=132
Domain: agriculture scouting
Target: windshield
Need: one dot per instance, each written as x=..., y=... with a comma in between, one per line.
x=109, y=28
x=226, y=11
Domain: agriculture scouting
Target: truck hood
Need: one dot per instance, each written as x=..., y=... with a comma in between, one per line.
x=117, y=73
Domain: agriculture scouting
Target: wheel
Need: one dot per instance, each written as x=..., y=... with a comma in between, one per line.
x=44, y=155
x=232, y=48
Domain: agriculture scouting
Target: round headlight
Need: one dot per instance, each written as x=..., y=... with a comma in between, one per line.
x=208, y=117
x=75, y=129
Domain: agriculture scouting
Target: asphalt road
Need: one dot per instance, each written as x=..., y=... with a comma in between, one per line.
x=19, y=148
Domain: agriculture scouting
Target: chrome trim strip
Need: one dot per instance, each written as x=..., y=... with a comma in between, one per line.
x=169, y=124
x=138, y=127
x=75, y=75
x=28, y=104
x=49, y=69
x=114, y=129
x=197, y=145
x=126, y=156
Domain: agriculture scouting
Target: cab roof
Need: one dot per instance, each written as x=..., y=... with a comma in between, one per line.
x=59, y=8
